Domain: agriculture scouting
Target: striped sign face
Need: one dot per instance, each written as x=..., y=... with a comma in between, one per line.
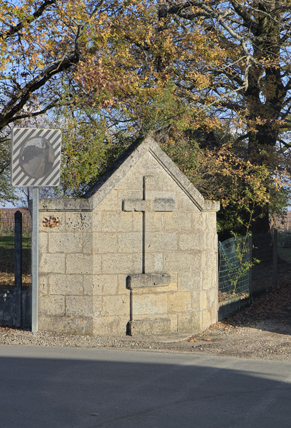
x=35, y=157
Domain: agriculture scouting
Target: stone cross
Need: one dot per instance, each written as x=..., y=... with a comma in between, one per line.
x=143, y=205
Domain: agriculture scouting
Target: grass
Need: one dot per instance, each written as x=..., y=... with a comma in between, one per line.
x=7, y=261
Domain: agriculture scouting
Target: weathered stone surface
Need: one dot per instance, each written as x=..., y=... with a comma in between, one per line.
x=51, y=263
x=129, y=242
x=116, y=263
x=134, y=205
x=163, y=204
x=144, y=226
x=81, y=306
x=79, y=221
x=43, y=284
x=52, y=305
x=66, y=243
x=161, y=241
x=79, y=263
x=113, y=305
x=148, y=280
x=105, y=243
x=116, y=221
x=66, y=285
x=179, y=302
x=149, y=326
x=150, y=304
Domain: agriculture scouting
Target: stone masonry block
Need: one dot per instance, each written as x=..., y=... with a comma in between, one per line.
x=186, y=281
x=189, y=322
x=208, y=279
x=154, y=262
x=191, y=241
x=129, y=242
x=136, y=263
x=66, y=284
x=163, y=204
x=197, y=220
x=43, y=284
x=87, y=243
x=148, y=326
x=79, y=264
x=133, y=205
x=107, y=283
x=149, y=304
x=116, y=221
x=51, y=263
x=110, y=325
x=42, y=242
x=155, y=221
x=179, y=302
x=179, y=221
x=161, y=242
x=69, y=325
x=97, y=306
x=116, y=305
x=79, y=221
x=105, y=242
x=81, y=306
x=52, y=305
x=207, y=319
x=116, y=263
x=110, y=202
x=203, y=300
x=96, y=264
x=178, y=262
x=92, y=286
x=65, y=243
x=96, y=221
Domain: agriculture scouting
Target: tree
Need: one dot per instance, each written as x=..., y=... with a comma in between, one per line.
x=250, y=86
x=41, y=42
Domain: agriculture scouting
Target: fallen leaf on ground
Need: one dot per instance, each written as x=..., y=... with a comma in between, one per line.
x=192, y=340
x=207, y=340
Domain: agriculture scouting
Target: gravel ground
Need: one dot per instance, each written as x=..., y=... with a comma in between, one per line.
x=262, y=331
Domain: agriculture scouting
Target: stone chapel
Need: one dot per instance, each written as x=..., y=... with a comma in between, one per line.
x=137, y=255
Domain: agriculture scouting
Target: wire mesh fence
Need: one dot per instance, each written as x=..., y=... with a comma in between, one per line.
x=270, y=256
x=234, y=258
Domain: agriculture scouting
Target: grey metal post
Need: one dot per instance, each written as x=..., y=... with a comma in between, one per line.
x=18, y=268
x=34, y=267
x=251, y=269
x=275, y=259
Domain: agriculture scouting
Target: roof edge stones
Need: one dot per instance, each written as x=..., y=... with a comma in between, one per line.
x=128, y=159
x=71, y=204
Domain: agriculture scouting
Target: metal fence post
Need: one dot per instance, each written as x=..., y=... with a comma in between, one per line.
x=275, y=259
x=18, y=268
x=34, y=264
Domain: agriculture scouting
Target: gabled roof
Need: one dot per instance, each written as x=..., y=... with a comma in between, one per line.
x=107, y=182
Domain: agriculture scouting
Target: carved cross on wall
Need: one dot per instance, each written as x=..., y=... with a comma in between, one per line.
x=144, y=205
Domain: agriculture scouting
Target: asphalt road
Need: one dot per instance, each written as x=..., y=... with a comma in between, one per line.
x=87, y=388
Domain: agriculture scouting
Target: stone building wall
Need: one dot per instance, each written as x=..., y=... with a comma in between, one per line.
x=138, y=255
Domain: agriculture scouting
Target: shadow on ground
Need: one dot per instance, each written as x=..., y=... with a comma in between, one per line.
x=71, y=388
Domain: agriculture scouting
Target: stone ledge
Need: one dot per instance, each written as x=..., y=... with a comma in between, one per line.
x=147, y=280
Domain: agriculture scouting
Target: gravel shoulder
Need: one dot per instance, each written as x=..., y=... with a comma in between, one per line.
x=262, y=331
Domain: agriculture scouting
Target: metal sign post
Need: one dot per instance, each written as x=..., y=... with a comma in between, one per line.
x=34, y=260
x=35, y=162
